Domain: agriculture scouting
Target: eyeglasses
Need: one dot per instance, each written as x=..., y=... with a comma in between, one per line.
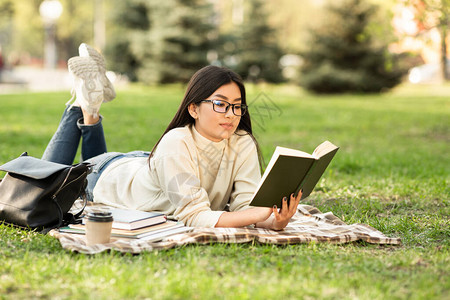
x=222, y=106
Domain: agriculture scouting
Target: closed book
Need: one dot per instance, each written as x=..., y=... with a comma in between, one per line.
x=161, y=235
x=134, y=219
x=290, y=171
x=124, y=233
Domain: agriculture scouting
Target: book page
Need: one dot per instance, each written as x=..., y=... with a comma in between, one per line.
x=324, y=148
x=292, y=152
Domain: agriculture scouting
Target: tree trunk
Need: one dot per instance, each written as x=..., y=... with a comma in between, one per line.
x=445, y=73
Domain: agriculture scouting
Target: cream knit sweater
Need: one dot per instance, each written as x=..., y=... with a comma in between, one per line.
x=190, y=178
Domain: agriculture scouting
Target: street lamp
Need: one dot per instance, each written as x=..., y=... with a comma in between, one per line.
x=50, y=11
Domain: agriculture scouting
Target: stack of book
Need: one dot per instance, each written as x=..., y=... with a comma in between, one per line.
x=135, y=224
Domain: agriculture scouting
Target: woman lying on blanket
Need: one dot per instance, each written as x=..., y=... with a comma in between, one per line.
x=205, y=159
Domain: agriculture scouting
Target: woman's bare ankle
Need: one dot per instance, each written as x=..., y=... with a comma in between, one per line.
x=89, y=119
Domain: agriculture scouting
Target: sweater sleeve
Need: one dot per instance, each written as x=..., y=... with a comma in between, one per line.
x=178, y=178
x=247, y=175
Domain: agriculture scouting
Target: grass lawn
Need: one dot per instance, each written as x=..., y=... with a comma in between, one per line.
x=392, y=172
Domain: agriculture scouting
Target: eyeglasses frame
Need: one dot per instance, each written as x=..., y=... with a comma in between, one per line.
x=228, y=107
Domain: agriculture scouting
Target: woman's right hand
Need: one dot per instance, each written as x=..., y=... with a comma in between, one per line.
x=281, y=218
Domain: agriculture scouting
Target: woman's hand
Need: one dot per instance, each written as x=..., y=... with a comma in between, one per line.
x=281, y=218
x=261, y=216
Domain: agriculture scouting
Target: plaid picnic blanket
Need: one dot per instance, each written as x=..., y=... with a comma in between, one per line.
x=308, y=225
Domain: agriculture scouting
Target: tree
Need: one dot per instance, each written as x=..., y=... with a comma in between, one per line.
x=132, y=15
x=435, y=14
x=22, y=29
x=343, y=56
x=180, y=36
x=256, y=49
x=74, y=27
x=6, y=17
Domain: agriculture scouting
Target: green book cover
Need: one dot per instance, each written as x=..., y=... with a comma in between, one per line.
x=291, y=170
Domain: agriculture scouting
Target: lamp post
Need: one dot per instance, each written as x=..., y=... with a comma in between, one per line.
x=50, y=11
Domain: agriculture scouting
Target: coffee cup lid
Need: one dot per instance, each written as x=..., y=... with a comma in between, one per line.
x=104, y=216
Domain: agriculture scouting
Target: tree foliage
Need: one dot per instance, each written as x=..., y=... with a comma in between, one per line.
x=131, y=18
x=435, y=14
x=257, y=52
x=181, y=36
x=22, y=29
x=343, y=56
x=6, y=16
x=163, y=41
x=166, y=41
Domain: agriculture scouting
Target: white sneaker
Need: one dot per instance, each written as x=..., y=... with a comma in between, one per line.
x=88, y=86
x=87, y=51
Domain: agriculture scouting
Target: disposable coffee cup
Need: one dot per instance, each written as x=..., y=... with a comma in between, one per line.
x=98, y=227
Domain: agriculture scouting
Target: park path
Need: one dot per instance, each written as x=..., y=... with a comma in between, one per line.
x=33, y=79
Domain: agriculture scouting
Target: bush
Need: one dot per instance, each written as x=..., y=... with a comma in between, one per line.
x=343, y=56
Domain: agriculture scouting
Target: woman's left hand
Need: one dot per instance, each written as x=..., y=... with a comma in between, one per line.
x=282, y=218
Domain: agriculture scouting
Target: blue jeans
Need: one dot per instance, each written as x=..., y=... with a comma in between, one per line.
x=63, y=146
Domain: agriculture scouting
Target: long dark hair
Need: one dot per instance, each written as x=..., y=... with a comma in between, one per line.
x=202, y=85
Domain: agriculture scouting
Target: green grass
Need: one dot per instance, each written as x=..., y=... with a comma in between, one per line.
x=392, y=172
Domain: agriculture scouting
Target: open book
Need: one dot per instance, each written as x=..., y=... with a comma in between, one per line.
x=289, y=171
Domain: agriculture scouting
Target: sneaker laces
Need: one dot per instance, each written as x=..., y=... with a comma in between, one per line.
x=87, y=51
x=72, y=99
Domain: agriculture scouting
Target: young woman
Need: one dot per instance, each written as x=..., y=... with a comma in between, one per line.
x=206, y=160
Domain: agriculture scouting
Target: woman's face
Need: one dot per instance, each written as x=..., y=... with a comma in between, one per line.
x=213, y=125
